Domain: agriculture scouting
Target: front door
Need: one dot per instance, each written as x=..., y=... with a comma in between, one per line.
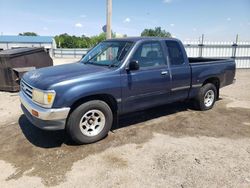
x=150, y=85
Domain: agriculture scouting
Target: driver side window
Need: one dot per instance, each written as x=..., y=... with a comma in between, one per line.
x=149, y=54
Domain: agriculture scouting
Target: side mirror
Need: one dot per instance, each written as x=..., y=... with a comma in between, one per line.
x=133, y=65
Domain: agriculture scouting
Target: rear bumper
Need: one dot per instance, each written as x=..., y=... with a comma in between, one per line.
x=48, y=119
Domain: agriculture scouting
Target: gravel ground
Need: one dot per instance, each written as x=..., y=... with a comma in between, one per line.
x=168, y=146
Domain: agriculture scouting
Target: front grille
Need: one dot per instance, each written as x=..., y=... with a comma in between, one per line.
x=26, y=89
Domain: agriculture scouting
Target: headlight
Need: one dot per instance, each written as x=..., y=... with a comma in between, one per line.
x=45, y=98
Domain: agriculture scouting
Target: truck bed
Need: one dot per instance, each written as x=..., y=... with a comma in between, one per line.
x=203, y=68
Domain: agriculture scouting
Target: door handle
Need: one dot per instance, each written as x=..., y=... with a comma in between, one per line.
x=164, y=72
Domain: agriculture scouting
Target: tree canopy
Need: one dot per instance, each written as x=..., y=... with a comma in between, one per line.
x=68, y=41
x=71, y=41
x=156, y=32
x=28, y=34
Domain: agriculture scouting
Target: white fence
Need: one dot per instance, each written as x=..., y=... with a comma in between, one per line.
x=240, y=51
x=69, y=52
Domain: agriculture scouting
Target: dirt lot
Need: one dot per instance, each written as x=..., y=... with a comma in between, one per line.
x=168, y=146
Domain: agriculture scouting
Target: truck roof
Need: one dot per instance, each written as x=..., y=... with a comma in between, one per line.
x=136, y=39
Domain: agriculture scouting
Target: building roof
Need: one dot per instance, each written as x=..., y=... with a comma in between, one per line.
x=25, y=39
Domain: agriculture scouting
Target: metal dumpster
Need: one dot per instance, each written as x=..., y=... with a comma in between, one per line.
x=15, y=62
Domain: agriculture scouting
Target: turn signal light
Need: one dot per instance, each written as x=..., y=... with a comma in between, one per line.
x=34, y=113
x=50, y=97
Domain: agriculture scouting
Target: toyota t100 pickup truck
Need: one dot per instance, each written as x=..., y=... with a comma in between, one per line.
x=119, y=76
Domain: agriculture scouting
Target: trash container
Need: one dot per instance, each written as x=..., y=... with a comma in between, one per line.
x=15, y=62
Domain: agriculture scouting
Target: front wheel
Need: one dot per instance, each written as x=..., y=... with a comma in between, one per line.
x=90, y=122
x=206, y=97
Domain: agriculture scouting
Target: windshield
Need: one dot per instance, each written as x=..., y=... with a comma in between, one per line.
x=109, y=53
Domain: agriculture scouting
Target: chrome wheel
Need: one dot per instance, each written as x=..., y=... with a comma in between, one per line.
x=92, y=122
x=209, y=98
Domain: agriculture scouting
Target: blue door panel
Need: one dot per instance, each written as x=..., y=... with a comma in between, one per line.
x=145, y=88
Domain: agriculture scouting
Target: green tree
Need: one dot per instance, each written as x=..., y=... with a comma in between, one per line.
x=96, y=39
x=67, y=41
x=28, y=34
x=156, y=32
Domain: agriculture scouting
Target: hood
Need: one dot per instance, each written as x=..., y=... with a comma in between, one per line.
x=45, y=77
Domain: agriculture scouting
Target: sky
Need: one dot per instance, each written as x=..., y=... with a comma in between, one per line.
x=218, y=20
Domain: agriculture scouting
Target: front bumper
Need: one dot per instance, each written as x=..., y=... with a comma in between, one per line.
x=47, y=119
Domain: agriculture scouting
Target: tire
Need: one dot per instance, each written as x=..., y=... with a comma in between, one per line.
x=90, y=122
x=206, y=97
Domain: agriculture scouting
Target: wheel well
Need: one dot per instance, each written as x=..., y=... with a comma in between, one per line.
x=109, y=99
x=214, y=81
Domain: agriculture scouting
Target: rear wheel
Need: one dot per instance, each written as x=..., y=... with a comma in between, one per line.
x=206, y=97
x=90, y=122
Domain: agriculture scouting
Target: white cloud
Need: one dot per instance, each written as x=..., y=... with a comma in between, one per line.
x=172, y=25
x=228, y=19
x=79, y=25
x=127, y=20
x=167, y=1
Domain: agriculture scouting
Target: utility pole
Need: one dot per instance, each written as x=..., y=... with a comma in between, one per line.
x=234, y=46
x=109, y=15
x=201, y=45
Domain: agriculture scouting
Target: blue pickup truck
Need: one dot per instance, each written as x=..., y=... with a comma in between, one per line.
x=119, y=76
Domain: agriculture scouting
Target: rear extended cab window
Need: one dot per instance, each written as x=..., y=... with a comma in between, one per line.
x=176, y=56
